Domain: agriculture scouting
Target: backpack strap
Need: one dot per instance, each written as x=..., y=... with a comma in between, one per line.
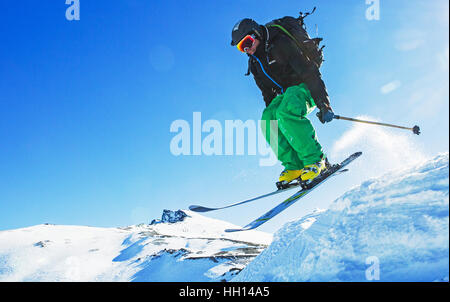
x=249, y=66
x=299, y=45
x=287, y=33
x=266, y=46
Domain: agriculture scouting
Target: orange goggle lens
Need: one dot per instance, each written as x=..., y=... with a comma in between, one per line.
x=246, y=43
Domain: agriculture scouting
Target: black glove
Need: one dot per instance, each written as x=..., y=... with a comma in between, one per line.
x=325, y=115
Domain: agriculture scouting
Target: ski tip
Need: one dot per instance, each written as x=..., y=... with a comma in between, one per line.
x=199, y=209
x=238, y=230
x=233, y=230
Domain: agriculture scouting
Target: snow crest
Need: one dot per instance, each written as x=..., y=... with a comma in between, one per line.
x=392, y=228
x=182, y=246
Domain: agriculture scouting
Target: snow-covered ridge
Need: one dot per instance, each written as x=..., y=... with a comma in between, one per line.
x=190, y=248
x=392, y=228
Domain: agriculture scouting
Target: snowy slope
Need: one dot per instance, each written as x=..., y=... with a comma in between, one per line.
x=195, y=248
x=393, y=228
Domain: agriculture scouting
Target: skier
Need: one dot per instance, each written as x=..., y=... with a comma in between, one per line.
x=292, y=88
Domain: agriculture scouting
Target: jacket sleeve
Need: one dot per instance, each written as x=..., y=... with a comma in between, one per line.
x=316, y=86
x=309, y=74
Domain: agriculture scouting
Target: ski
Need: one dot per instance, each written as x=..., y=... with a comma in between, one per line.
x=202, y=209
x=333, y=171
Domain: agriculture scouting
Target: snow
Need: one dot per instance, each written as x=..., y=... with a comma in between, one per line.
x=392, y=228
x=67, y=253
x=194, y=249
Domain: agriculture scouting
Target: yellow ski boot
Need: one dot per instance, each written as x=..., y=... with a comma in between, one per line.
x=309, y=172
x=287, y=176
x=305, y=175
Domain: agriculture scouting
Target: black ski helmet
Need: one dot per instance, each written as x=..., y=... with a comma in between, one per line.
x=242, y=28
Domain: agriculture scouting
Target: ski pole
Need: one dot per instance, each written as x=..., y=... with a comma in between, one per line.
x=415, y=129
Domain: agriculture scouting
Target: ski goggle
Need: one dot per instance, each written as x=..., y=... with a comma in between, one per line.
x=246, y=43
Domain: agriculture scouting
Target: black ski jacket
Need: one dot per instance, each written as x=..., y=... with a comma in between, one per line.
x=283, y=63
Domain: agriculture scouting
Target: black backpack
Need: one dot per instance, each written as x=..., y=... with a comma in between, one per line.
x=295, y=28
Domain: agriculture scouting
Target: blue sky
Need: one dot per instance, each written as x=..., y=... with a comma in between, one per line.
x=86, y=106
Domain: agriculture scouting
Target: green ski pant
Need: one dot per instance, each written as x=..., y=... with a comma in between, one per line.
x=290, y=134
